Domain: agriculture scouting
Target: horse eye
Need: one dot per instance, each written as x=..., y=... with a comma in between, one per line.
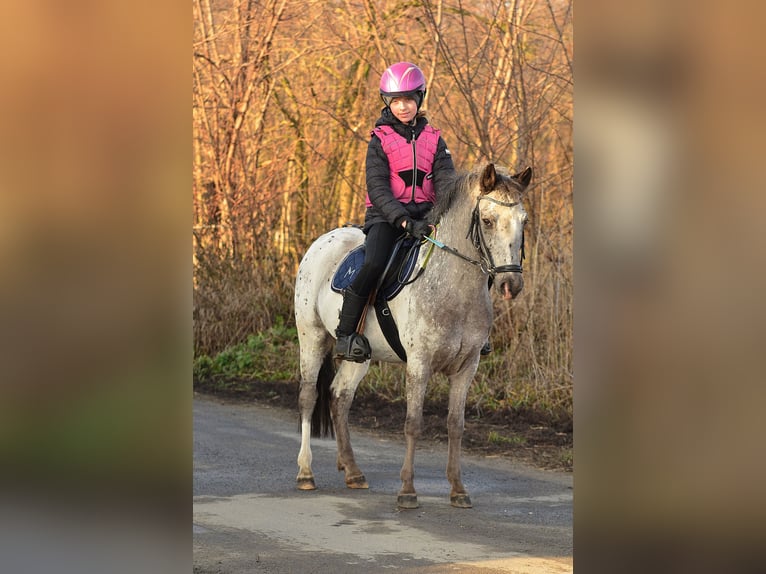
x=487, y=221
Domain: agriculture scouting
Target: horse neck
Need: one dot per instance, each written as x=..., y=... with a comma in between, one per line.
x=453, y=230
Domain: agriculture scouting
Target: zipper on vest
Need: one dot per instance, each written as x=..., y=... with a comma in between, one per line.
x=414, y=166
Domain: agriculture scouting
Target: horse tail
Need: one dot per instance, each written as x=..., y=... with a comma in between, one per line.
x=321, y=421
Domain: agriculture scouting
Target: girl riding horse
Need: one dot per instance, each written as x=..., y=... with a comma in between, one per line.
x=408, y=165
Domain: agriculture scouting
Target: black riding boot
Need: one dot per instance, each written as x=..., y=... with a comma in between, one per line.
x=350, y=345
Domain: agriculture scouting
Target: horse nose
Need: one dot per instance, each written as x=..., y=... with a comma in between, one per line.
x=511, y=285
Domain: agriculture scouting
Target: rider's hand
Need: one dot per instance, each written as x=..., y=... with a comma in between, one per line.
x=417, y=228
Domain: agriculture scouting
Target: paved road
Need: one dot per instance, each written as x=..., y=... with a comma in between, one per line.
x=249, y=517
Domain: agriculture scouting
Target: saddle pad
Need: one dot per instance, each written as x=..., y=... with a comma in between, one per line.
x=393, y=284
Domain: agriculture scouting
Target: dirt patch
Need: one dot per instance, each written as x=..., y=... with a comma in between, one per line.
x=515, y=435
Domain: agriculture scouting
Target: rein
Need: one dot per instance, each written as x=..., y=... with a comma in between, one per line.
x=485, y=263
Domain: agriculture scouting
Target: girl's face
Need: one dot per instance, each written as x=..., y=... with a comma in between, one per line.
x=404, y=109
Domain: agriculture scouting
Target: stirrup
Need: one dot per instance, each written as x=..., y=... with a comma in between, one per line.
x=354, y=347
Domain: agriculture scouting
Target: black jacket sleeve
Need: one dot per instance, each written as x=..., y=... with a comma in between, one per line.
x=443, y=170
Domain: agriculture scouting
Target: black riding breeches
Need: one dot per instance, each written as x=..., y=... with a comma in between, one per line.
x=378, y=244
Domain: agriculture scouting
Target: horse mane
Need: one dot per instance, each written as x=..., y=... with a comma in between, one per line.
x=463, y=182
x=457, y=187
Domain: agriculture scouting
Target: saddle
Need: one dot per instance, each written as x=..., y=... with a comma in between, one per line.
x=398, y=272
x=399, y=268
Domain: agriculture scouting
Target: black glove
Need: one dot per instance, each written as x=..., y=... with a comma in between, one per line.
x=417, y=228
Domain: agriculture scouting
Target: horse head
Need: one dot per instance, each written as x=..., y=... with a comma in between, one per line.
x=498, y=226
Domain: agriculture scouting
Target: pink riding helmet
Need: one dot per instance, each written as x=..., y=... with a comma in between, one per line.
x=402, y=79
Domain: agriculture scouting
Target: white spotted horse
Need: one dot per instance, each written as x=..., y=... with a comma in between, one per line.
x=443, y=319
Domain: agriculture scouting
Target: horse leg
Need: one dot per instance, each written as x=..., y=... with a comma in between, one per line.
x=306, y=400
x=344, y=387
x=417, y=380
x=316, y=372
x=459, y=384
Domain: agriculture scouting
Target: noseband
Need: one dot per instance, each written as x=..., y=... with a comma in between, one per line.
x=476, y=235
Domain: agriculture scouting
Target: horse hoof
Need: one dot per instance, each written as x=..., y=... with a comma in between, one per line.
x=460, y=501
x=357, y=482
x=407, y=501
x=306, y=484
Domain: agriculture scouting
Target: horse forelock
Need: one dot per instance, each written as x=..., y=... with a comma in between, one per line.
x=507, y=188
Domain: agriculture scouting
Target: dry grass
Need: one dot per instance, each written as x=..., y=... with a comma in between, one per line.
x=528, y=373
x=235, y=298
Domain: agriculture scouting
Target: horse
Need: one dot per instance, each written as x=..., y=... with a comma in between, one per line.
x=444, y=318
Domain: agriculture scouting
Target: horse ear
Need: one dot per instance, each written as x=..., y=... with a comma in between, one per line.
x=488, y=179
x=524, y=177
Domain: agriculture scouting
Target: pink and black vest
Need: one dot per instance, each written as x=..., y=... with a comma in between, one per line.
x=411, y=163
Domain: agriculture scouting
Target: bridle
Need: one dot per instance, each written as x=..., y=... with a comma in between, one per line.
x=486, y=263
x=477, y=238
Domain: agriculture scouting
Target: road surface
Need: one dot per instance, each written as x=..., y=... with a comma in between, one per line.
x=250, y=518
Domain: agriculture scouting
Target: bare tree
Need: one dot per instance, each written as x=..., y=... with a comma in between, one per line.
x=285, y=93
x=231, y=77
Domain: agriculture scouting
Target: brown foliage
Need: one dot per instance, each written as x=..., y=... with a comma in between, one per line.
x=285, y=93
